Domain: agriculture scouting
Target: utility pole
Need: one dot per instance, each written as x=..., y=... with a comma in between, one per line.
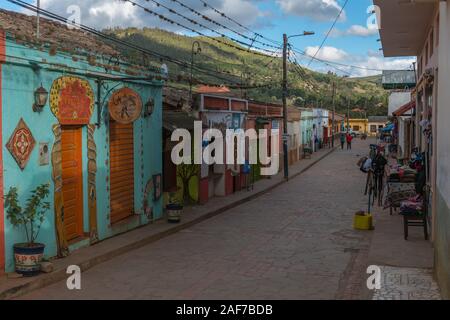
x=284, y=94
x=348, y=115
x=333, y=118
x=38, y=13
x=365, y=115
x=285, y=113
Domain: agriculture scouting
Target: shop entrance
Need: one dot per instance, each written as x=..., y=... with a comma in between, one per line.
x=72, y=181
x=121, y=170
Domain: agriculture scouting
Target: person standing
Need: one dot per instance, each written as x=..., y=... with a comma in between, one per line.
x=342, y=137
x=349, y=141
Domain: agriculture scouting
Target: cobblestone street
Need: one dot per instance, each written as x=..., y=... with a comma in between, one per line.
x=295, y=242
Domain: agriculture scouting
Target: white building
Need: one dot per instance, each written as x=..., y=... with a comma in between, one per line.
x=422, y=28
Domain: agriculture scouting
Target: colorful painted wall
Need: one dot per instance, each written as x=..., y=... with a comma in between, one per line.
x=2, y=216
x=306, y=125
x=23, y=72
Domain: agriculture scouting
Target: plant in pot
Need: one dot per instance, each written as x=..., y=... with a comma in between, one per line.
x=174, y=208
x=28, y=256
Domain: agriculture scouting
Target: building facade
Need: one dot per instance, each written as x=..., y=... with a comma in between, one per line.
x=222, y=113
x=104, y=177
x=376, y=123
x=428, y=38
x=306, y=126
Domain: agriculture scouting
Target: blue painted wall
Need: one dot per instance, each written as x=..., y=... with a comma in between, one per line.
x=20, y=80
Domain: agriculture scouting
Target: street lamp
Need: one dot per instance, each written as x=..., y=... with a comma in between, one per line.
x=193, y=53
x=285, y=92
x=40, y=99
x=305, y=33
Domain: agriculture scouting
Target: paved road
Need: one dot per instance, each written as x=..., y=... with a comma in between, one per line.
x=296, y=242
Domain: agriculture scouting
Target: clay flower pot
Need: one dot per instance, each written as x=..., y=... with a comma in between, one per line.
x=174, y=212
x=28, y=258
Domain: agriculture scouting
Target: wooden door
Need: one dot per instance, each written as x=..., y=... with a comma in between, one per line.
x=72, y=178
x=121, y=171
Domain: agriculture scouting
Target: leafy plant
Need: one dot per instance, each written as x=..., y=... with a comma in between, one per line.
x=32, y=217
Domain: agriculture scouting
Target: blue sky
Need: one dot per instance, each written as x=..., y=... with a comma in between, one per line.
x=350, y=43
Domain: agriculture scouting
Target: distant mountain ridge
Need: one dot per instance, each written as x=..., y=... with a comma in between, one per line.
x=307, y=88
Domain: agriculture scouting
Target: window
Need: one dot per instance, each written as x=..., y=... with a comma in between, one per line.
x=355, y=128
x=373, y=128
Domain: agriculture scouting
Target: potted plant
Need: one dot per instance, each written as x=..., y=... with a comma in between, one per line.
x=174, y=208
x=28, y=255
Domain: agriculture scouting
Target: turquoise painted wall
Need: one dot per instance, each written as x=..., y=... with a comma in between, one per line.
x=306, y=125
x=20, y=80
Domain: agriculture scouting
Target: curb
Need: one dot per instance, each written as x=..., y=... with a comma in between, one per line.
x=60, y=274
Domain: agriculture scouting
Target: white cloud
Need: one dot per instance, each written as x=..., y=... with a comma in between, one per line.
x=322, y=10
x=355, y=30
x=367, y=65
x=101, y=14
x=327, y=53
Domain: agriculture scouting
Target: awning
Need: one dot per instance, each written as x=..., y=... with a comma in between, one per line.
x=173, y=120
x=405, y=108
x=388, y=128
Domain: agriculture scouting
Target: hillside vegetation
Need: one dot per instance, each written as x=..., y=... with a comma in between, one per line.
x=306, y=88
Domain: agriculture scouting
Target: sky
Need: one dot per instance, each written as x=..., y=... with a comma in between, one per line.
x=353, y=40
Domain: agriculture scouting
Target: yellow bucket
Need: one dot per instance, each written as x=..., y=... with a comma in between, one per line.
x=363, y=222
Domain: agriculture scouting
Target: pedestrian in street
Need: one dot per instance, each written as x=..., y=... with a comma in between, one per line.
x=349, y=141
x=342, y=141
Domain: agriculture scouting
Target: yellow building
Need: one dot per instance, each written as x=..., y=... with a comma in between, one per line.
x=358, y=126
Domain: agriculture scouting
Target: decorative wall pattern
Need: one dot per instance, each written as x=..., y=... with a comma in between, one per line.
x=63, y=248
x=72, y=100
x=21, y=144
x=125, y=106
x=92, y=191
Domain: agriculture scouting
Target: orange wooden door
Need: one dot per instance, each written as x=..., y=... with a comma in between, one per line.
x=121, y=170
x=72, y=176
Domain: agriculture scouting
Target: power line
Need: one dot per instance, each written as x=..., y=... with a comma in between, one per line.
x=329, y=31
x=326, y=63
x=172, y=11
x=118, y=41
x=173, y=79
x=209, y=19
x=207, y=5
x=299, y=70
x=164, y=18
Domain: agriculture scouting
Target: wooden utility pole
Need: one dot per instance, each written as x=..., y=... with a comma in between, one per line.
x=333, y=118
x=348, y=114
x=38, y=13
x=285, y=112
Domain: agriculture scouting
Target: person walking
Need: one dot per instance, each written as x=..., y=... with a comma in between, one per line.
x=349, y=141
x=342, y=137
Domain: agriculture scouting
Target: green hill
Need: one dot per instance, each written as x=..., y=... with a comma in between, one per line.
x=306, y=87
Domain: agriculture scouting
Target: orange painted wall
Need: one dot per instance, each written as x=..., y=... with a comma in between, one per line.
x=2, y=215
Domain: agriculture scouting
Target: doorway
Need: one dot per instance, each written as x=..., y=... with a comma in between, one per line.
x=72, y=181
x=121, y=170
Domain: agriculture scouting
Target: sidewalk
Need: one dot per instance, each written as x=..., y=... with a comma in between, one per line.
x=88, y=257
x=406, y=265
